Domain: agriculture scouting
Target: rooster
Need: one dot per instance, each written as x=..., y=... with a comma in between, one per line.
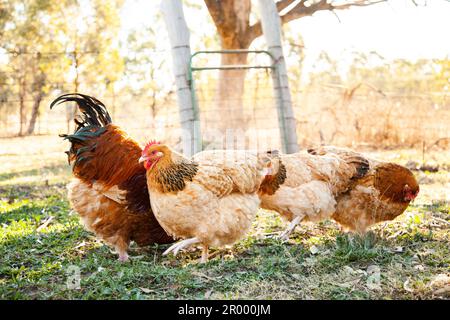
x=307, y=186
x=380, y=195
x=109, y=186
x=201, y=201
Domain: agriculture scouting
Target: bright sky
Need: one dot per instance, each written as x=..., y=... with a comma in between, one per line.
x=397, y=29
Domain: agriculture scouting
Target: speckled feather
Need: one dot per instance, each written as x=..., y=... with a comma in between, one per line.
x=311, y=185
x=374, y=197
x=215, y=205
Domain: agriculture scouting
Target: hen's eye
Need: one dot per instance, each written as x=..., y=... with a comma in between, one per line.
x=154, y=152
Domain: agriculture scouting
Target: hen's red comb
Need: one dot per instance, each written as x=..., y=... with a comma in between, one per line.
x=150, y=143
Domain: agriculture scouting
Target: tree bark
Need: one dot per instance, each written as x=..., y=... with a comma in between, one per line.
x=231, y=18
x=35, y=112
x=230, y=93
x=38, y=86
x=22, y=93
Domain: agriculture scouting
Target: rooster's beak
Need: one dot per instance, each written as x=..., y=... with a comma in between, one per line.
x=142, y=159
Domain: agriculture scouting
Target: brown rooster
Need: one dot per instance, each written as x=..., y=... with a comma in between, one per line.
x=109, y=190
x=380, y=195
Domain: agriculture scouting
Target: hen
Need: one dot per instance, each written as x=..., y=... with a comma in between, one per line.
x=380, y=195
x=306, y=186
x=109, y=189
x=203, y=202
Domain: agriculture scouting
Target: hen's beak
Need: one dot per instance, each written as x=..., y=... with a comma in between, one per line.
x=142, y=159
x=267, y=171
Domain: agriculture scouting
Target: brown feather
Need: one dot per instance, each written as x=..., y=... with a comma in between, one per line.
x=378, y=196
x=390, y=179
x=271, y=184
x=104, y=157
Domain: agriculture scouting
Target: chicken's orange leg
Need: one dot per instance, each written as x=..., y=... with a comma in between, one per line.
x=205, y=251
x=121, y=247
x=285, y=235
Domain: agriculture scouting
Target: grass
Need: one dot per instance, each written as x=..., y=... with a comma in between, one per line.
x=408, y=258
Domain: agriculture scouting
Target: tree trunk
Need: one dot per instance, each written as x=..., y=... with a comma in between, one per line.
x=22, y=93
x=35, y=112
x=231, y=18
x=230, y=94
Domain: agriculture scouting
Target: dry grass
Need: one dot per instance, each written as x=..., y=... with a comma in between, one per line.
x=369, y=118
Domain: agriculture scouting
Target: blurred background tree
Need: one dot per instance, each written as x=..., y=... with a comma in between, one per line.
x=142, y=66
x=49, y=45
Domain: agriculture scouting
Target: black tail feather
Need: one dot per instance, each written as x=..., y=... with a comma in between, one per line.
x=360, y=163
x=89, y=126
x=93, y=110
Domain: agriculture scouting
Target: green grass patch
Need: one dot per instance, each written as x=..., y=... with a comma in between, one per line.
x=407, y=258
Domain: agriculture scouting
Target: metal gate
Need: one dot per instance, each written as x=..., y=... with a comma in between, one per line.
x=266, y=104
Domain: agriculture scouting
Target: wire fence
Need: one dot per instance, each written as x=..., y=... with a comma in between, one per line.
x=237, y=107
x=323, y=117
x=325, y=114
x=372, y=119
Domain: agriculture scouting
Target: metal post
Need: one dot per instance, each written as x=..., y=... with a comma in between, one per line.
x=271, y=25
x=181, y=54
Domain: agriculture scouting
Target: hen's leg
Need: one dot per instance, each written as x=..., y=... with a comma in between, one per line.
x=205, y=250
x=123, y=256
x=121, y=247
x=180, y=245
x=290, y=228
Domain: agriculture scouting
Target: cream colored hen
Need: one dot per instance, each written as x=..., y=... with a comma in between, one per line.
x=306, y=186
x=203, y=201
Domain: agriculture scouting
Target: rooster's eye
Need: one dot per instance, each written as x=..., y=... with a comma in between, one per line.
x=153, y=152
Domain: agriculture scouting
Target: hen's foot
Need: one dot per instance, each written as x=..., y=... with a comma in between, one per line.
x=180, y=245
x=123, y=257
x=284, y=236
x=205, y=251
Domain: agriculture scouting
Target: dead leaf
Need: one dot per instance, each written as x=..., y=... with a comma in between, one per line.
x=349, y=284
x=146, y=290
x=82, y=244
x=314, y=249
x=45, y=224
x=208, y=294
x=296, y=276
x=398, y=249
x=372, y=269
x=349, y=270
x=396, y=234
x=445, y=291
x=199, y=274
x=440, y=280
x=407, y=287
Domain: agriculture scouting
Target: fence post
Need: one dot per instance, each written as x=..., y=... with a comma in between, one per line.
x=271, y=25
x=181, y=53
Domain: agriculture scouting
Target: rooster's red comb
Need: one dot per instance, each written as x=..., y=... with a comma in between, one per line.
x=150, y=143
